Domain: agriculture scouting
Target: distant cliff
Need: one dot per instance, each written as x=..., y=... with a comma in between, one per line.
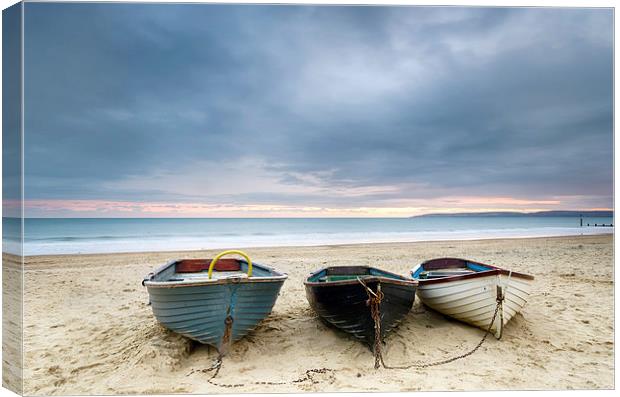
x=577, y=214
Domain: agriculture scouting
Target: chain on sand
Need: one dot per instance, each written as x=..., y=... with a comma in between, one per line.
x=374, y=300
x=307, y=376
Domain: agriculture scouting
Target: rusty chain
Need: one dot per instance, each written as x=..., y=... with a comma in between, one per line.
x=307, y=376
x=226, y=340
x=374, y=301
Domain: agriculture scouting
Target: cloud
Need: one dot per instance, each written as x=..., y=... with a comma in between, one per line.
x=103, y=208
x=330, y=107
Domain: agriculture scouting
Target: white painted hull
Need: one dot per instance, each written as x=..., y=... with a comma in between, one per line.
x=473, y=300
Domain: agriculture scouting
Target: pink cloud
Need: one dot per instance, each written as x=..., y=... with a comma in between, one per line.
x=112, y=208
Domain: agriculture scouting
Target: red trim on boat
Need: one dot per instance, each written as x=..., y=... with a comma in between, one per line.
x=200, y=265
x=458, y=263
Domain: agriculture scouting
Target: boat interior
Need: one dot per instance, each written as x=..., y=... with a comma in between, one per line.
x=345, y=273
x=447, y=267
x=194, y=269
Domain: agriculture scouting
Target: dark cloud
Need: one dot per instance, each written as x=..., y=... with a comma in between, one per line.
x=137, y=101
x=11, y=104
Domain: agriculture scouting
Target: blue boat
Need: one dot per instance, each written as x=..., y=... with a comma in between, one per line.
x=213, y=301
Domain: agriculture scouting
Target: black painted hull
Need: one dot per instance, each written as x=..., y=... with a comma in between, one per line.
x=344, y=305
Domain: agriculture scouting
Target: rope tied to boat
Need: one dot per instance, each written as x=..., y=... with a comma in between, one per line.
x=374, y=300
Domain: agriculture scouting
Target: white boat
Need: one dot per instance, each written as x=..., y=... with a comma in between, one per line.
x=470, y=291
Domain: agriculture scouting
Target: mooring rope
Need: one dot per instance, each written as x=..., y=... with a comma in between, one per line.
x=374, y=301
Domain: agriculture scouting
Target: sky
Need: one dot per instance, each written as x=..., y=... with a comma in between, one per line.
x=182, y=110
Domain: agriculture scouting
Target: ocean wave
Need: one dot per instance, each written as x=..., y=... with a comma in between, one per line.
x=111, y=244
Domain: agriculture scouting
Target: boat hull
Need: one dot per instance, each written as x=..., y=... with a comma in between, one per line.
x=345, y=305
x=201, y=312
x=473, y=300
x=211, y=301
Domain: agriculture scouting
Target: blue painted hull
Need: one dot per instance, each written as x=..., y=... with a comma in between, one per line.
x=200, y=312
x=216, y=311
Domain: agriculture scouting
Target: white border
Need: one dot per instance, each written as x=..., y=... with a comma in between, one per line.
x=479, y=3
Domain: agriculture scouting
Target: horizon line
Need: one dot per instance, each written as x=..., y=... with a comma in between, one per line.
x=321, y=217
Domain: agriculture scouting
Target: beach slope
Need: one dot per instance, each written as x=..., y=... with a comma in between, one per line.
x=89, y=328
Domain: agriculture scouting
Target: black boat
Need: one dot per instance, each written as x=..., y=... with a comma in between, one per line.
x=343, y=297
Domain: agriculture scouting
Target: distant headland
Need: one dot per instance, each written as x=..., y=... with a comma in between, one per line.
x=595, y=214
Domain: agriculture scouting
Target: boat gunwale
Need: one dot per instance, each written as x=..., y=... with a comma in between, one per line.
x=150, y=283
x=409, y=282
x=494, y=270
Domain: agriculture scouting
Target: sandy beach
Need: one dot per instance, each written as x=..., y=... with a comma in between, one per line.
x=89, y=329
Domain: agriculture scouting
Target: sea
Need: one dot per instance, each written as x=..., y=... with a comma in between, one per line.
x=43, y=236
